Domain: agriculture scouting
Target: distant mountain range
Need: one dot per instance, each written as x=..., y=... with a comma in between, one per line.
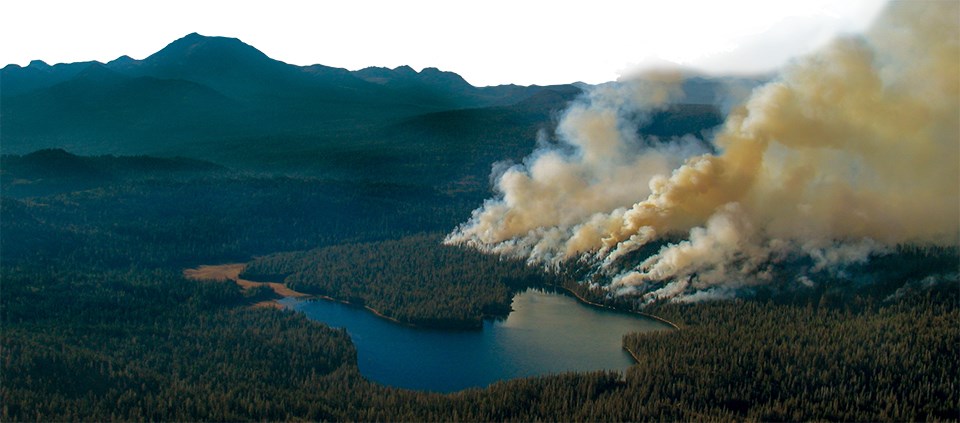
x=242, y=72
x=219, y=99
x=202, y=88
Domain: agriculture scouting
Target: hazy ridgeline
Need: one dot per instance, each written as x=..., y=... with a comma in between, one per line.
x=824, y=199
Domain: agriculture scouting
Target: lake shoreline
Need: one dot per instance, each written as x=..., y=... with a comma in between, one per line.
x=483, y=317
x=606, y=307
x=232, y=271
x=378, y=313
x=549, y=332
x=372, y=310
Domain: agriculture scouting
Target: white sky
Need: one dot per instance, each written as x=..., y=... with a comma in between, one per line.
x=487, y=42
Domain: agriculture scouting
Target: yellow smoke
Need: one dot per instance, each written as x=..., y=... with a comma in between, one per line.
x=854, y=147
x=559, y=189
x=847, y=145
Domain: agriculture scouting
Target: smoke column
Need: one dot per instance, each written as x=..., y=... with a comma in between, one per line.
x=850, y=151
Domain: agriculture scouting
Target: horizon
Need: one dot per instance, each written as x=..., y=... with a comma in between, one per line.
x=524, y=47
x=45, y=63
x=245, y=226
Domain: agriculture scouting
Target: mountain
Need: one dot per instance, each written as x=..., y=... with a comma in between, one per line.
x=54, y=171
x=99, y=110
x=219, y=99
x=15, y=79
x=431, y=86
x=200, y=94
x=239, y=70
x=434, y=86
x=236, y=69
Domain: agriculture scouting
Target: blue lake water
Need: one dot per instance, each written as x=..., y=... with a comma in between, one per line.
x=545, y=333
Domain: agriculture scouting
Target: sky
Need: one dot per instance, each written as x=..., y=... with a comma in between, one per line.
x=488, y=42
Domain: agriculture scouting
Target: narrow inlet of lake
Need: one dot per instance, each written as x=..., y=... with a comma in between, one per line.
x=546, y=333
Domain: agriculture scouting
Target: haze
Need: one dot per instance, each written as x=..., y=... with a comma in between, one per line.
x=489, y=43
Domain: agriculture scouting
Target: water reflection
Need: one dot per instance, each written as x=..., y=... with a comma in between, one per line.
x=546, y=333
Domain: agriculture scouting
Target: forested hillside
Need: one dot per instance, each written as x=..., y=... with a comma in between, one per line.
x=415, y=279
x=132, y=344
x=117, y=176
x=98, y=323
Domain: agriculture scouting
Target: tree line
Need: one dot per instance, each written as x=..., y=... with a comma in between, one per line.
x=98, y=323
x=414, y=279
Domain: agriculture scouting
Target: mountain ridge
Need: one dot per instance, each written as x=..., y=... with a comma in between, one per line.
x=221, y=100
x=171, y=62
x=212, y=91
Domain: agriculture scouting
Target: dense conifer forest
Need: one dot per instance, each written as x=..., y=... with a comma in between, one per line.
x=437, y=286
x=99, y=324
x=342, y=184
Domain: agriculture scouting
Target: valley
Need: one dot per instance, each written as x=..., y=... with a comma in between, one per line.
x=488, y=253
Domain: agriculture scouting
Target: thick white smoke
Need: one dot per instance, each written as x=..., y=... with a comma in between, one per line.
x=850, y=151
x=594, y=167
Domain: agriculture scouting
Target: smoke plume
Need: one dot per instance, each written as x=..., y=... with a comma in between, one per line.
x=850, y=151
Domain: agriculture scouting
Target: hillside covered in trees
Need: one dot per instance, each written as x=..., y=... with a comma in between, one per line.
x=99, y=324
x=415, y=279
x=117, y=176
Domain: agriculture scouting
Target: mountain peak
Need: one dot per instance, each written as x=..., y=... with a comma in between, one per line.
x=194, y=44
x=123, y=63
x=192, y=37
x=225, y=64
x=437, y=76
x=122, y=59
x=404, y=69
x=38, y=64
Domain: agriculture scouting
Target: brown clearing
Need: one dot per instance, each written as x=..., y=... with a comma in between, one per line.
x=231, y=272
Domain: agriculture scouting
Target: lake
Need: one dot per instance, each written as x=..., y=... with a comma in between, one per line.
x=545, y=333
